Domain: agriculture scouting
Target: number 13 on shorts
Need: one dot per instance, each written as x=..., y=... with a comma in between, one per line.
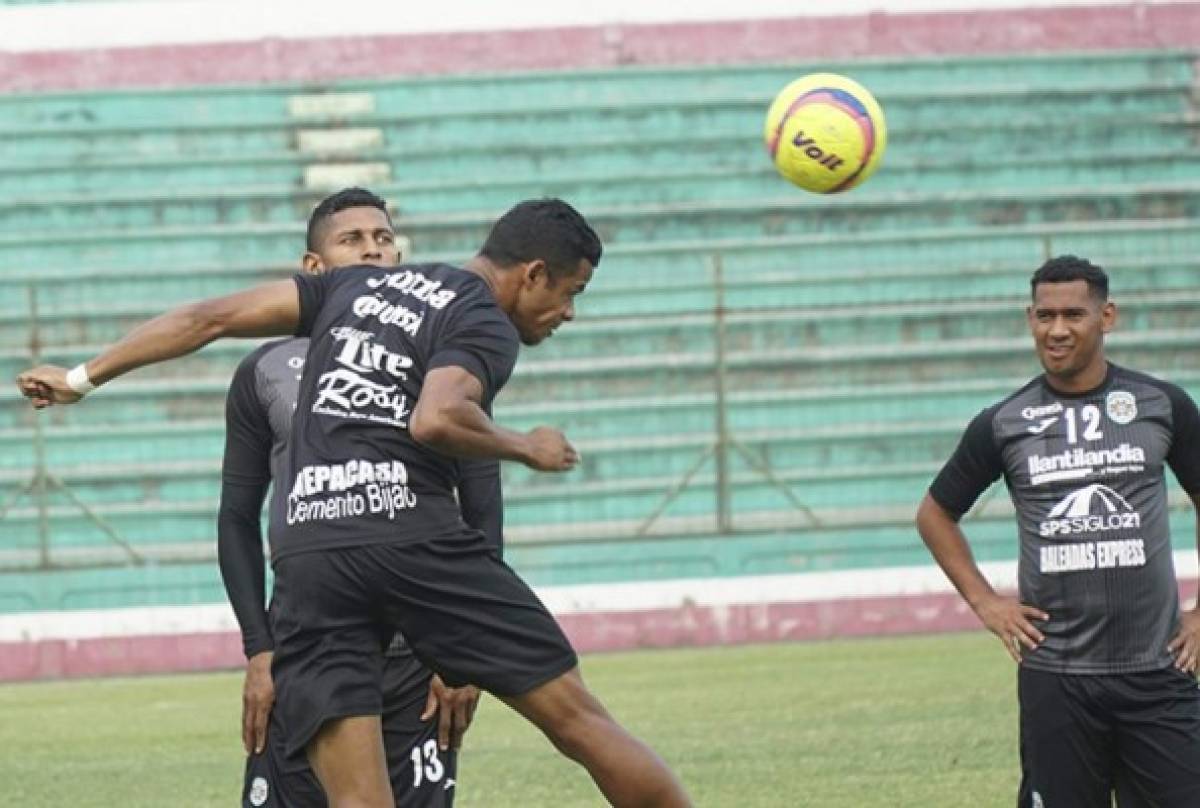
x=426, y=764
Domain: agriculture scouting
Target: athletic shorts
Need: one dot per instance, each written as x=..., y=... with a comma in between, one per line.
x=422, y=775
x=1084, y=738
x=465, y=614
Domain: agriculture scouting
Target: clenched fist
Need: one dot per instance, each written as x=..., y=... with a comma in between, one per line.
x=549, y=450
x=46, y=385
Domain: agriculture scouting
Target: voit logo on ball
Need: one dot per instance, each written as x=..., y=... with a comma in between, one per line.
x=825, y=133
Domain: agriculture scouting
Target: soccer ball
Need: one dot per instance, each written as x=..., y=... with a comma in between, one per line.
x=825, y=132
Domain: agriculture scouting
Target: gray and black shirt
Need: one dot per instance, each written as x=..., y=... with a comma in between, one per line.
x=1086, y=474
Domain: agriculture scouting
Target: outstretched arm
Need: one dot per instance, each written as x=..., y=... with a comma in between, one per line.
x=1007, y=618
x=270, y=309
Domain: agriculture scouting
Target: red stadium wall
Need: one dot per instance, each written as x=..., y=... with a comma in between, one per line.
x=1131, y=26
x=149, y=641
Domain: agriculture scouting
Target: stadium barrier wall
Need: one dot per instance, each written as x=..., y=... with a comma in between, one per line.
x=1066, y=28
x=597, y=617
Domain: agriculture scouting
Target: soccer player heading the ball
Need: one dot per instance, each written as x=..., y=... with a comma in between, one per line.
x=402, y=367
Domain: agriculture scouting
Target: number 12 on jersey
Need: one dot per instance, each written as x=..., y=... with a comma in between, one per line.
x=1090, y=416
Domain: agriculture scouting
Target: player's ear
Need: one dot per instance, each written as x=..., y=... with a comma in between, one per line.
x=312, y=263
x=1108, y=316
x=535, y=272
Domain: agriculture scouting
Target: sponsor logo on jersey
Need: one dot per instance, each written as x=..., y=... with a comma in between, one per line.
x=343, y=332
x=346, y=393
x=1041, y=426
x=363, y=356
x=1093, y=509
x=334, y=478
x=259, y=791
x=409, y=283
x=416, y=285
x=353, y=488
x=1034, y=413
x=1121, y=406
x=1045, y=416
x=402, y=317
x=1075, y=464
x=1092, y=555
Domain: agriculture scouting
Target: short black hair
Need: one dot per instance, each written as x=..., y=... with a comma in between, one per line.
x=546, y=229
x=336, y=203
x=1067, y=268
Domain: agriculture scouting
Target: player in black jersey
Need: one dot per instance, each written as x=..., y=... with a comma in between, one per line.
x=367, y=536
x=1107, y=659
x=347, y=228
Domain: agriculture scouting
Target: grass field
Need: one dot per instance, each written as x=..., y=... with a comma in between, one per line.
x=920, y=721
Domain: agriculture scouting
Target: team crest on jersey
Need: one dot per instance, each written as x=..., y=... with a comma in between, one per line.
x=259, y=790
x=1121, y=406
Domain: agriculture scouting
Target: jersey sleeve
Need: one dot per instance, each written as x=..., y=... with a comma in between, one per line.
x=480, y=498
x=480, y=339
x=974, y=466
x=245, y=477
x=313, y=290
x=1184, y=454
x=247, y=456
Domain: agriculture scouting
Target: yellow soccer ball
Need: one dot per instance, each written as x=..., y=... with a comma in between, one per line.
x=825, y=133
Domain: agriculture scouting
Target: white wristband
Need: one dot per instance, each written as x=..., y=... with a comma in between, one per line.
x=77, y=380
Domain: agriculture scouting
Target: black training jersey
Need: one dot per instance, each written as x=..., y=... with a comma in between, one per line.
x=354, y=475
x=259, y=409
x=1086, y=475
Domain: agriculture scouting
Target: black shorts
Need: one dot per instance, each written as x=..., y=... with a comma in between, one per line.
x=422, y=775
x=1085, y=737
x=465, y=613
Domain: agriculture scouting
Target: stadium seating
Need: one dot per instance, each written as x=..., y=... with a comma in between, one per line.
x=858, y=333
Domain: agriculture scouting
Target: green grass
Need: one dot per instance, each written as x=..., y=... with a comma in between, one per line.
x=922, y=721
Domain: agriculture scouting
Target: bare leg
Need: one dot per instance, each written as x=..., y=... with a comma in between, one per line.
x=627, y=771
x=348, y=758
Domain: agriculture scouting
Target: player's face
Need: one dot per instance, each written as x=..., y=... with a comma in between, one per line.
x=1068, y=326
x=545, y=303
x=354, y=236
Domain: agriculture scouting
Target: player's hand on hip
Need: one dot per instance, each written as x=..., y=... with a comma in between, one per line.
x=45, y=386
x=258, y=696
x=549, y=450
x=1185, y=645
x=454, y=708
x=1011, y=621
